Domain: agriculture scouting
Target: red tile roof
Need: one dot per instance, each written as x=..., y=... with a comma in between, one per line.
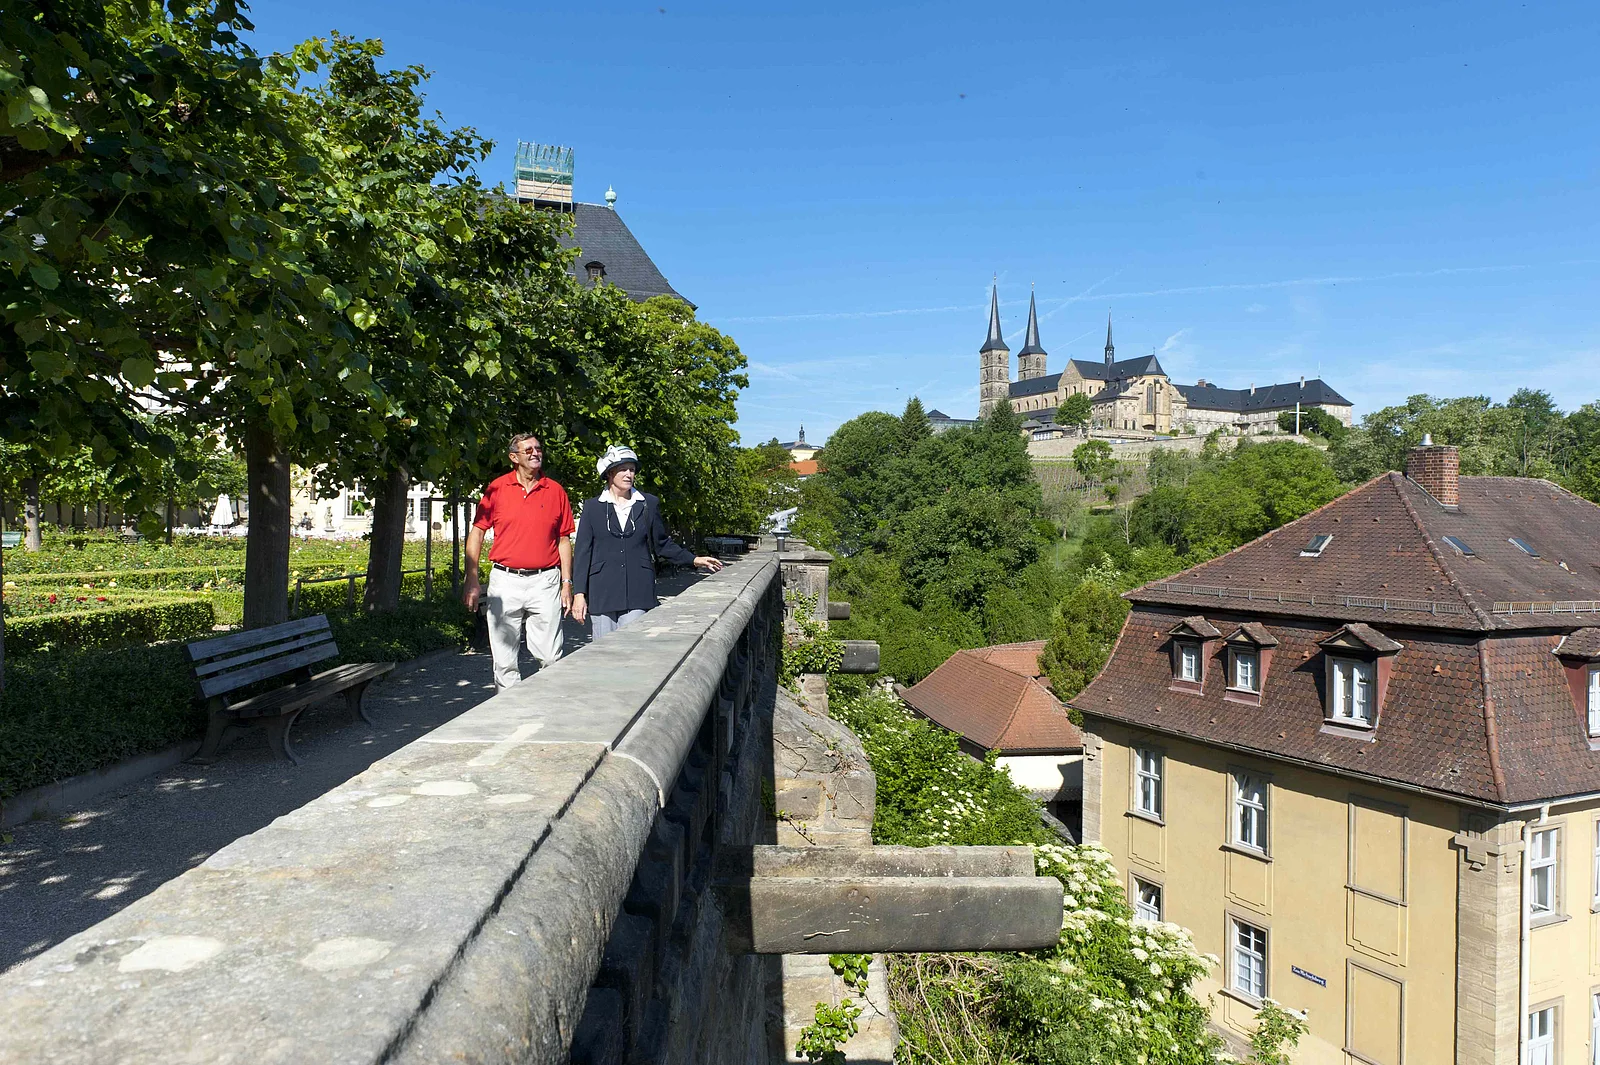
x=1389, y=560
x=805, y=467
x=993, y=697
x=1477, y=704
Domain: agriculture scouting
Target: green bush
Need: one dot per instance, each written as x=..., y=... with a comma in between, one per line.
x=327, y=596
x=70, y=712
x=117, y=626
x=414, y=629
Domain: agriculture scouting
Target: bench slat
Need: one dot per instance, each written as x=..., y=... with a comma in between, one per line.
x=315, y=690
x=222, y=665
x=239, y=641
x=227, y=682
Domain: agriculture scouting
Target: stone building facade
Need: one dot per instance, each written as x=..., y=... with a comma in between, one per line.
x=1359, y=758
x=1131, y=395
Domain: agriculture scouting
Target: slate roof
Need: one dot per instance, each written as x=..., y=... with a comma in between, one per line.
x=604, y=237
x=1139, y=366
x=1031, y=345
x=993, y=697
x=1272, y=397
x=1478, y=703
x=1388, y=560
x=1035, y=386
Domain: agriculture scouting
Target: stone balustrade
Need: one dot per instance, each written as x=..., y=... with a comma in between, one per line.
x=528, y=883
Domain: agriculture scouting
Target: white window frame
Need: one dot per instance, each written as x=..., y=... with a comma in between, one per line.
x=1238, y=657
x=1253, y=955
x=1349, y=680
x=1594, y=700
x=1145, y=910
x=1189, y=655
x=1544, y=868
x=1152, y=801
x=1594, y=903
x=1594, y=1028
x=1251, y=810
x=1540, y=1036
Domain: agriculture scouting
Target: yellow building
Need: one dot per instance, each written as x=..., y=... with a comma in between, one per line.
x=1359, y=758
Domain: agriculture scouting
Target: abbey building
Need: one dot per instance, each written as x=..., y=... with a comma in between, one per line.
x=1131, y=395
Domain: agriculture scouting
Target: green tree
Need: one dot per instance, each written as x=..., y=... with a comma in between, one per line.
x=914, y=424
x=1076, y=411
x=1093, y=460
x=766, y=482
x=1312, y=420
x=1085, y=628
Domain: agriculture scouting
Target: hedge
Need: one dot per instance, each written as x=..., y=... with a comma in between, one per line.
x=72, y=711
x=325, y=596
x=182, y=577
x=120, y=626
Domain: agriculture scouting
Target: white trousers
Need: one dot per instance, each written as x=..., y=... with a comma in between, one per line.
x=515, y=601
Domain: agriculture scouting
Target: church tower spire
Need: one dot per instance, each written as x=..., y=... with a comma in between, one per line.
x=1111, y=352
x=1030, y=360
x=994, y=360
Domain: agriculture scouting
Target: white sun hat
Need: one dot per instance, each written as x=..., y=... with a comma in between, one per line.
x=615, y=456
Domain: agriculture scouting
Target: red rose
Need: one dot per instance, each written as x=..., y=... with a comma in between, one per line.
x=52, y=597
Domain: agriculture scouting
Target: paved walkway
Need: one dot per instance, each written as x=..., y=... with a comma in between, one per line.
x=59, y=876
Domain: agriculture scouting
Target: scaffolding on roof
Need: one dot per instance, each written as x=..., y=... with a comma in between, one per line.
x=544, y=173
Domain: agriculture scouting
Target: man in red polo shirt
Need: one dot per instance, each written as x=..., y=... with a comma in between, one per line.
x=530, y=558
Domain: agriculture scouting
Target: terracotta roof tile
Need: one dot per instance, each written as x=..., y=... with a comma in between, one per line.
x=1584, y=643
x=995, y=707
x=1020, y=658
x=1389, y=562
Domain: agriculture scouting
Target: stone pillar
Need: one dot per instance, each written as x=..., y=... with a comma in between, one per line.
x=824, y=795
x=805, y=573
x=1093, y=773
x=1488, y=922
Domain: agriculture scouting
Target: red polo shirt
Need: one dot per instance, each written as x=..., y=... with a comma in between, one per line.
x=526, y=524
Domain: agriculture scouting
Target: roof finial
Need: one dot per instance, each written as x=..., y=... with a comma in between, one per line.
x=611, y=198
x=996, y=341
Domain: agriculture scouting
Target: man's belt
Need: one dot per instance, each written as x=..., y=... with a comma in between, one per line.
x=524, y=572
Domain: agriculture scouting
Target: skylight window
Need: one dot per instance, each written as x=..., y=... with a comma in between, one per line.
x=1524, y=545
x=1460, y=545
x=1315, y=546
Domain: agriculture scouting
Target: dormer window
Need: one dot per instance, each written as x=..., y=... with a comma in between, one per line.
x=1359, y=662
x=1579, y=652
x=1246, y=670
x=1594, y=700
x=596, y=270
x=1194, y=641
x=1250, y=649
x=1189, y=661
x=1352, y=692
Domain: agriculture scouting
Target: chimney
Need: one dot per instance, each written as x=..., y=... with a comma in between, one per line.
x=1252, y=388
x=1200, y=383
x=1436, y=469
x=1302, y=380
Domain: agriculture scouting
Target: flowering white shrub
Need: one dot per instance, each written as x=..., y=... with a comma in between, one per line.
x=1114, y=989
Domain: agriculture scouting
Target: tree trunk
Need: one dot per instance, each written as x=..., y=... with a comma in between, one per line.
x=390, y=509
x=170, y=508
x=266, y=551
x=34, y=540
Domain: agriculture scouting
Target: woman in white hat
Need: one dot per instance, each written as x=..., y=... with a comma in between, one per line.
x=620, y=533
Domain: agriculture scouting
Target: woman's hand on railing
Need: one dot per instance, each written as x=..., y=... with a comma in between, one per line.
x=709, y=563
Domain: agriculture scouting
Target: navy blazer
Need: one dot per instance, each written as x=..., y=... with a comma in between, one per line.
x=614, y=566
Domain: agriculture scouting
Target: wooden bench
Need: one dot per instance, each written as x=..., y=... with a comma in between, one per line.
x=227, y=664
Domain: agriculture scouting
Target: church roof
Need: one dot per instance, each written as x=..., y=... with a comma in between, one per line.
x=1035, y=386
x=604, y=238
x=1031, y=346
x=1272, y=397
x=996, y=342
x=1140, y=366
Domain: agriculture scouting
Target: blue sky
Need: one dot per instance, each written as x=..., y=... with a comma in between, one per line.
x=1399, y=198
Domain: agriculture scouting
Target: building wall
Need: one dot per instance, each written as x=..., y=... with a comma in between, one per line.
x=1046, y=775
x=1564, y=949
x=1381, y=932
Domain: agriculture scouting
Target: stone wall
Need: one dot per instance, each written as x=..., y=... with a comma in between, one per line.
x=527, y=883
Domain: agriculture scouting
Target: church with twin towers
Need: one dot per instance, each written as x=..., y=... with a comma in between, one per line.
x=1132, y=396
